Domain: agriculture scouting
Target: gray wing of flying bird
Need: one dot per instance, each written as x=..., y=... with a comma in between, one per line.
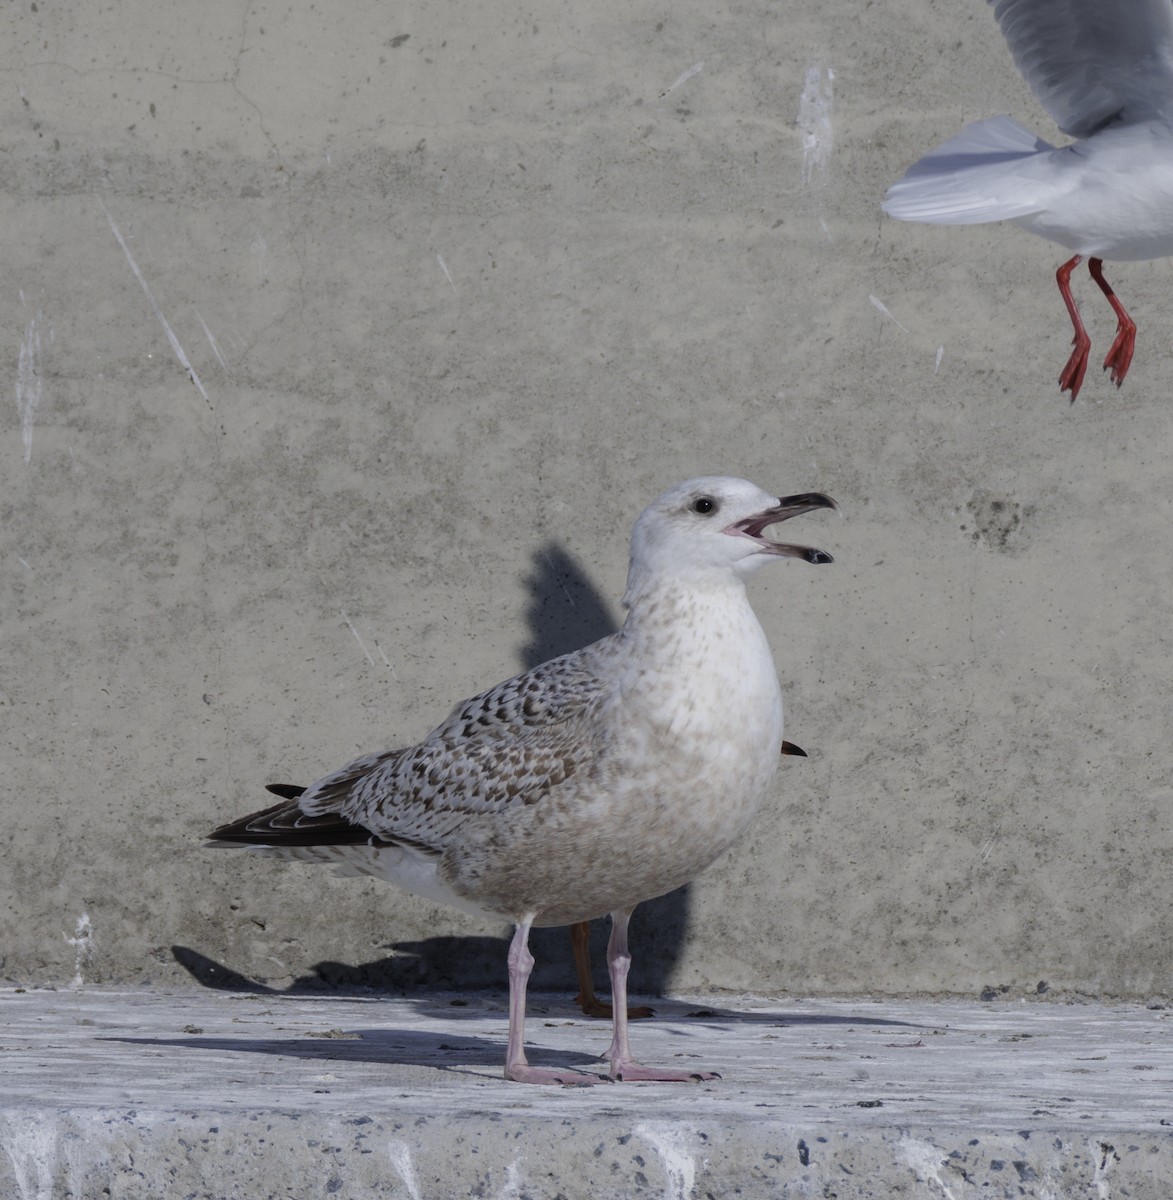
x=1092, y=62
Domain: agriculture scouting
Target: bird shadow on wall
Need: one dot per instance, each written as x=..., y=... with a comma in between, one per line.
x=564, y=612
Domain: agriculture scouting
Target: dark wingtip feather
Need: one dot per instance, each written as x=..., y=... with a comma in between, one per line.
x=284, y=824
x=287, y=791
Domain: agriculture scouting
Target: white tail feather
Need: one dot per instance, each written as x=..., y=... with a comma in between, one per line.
x=965, y=181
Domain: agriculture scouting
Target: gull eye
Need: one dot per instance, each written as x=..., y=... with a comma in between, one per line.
x=704, y=505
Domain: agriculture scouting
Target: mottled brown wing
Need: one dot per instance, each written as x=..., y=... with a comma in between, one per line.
x=509, y=745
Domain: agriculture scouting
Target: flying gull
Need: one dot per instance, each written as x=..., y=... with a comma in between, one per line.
x=601, y=778
x=1104, y=71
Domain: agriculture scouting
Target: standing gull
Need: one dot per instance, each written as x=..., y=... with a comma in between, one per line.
x=1104, y=71
x=601, y=778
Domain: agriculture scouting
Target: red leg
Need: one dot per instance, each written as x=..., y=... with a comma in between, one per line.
x=517, y=1067
x=623, y=1066
x=1120, y=355
x=1071, y=379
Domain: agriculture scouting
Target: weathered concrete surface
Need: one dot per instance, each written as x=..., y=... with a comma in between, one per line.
x=343, y=348
x=189, y=1093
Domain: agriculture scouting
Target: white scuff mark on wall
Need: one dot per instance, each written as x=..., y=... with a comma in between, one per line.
x=926, y=1161
x=940, y=355
x=823, y=225
x=444, y=268
x=375, y=640
x=394, y=673
x=30, y=1142
x=400, y=1156
x=695, y=69
x=357, y=638
x=28, y=380
x=83, y=948
x=671, y=1143
x=878, y=304
x=259, y=249
x=1104, y=1155
x=814, y=122
x=511, y=1188
x=175, y=346
x=211, y=341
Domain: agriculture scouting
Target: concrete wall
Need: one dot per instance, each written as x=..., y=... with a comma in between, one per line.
x=344, y=343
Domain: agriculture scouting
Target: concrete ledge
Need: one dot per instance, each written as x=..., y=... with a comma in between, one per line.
x=132, y=1094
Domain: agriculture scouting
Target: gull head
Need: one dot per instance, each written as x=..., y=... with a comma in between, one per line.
x=718, y=524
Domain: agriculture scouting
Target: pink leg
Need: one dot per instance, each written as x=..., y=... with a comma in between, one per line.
x=1072, y=378
x=623, y=1066
x=591, y=1005
x=1120, y=355
x=517, y=1068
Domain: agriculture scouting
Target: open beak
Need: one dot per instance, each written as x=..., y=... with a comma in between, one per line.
x=788, y=506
